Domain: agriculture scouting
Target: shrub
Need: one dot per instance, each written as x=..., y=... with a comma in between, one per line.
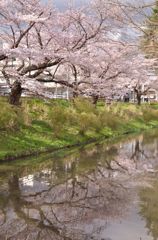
x=150, y=114
x=58, y=120
x=9, y=116
x=34, y=109
x=86, y=121
x=109, y=119
x=84, y=105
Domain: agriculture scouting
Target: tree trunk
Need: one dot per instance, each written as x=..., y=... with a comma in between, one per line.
x=138, y=95
x=95, y=99
x=15, y=95
x=139, y=99
x=75, y=94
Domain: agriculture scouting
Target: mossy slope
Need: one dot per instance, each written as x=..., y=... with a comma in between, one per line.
x=37, y=125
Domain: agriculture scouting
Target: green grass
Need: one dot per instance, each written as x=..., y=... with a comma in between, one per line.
x=37, y=125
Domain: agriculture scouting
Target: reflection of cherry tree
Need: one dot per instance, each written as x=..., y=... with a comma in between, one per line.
x=60, y=211
x=149, y=208
x=138, y=155
x=74, y=196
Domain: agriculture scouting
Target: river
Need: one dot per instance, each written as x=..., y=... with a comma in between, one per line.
x=104, y=191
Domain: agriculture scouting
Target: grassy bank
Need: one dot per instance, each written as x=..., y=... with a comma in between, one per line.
x=37, y=125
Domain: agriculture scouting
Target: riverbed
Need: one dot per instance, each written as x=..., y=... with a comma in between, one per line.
x=103, y=191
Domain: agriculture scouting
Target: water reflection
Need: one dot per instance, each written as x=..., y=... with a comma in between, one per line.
x=75, y=196
x=149, y=208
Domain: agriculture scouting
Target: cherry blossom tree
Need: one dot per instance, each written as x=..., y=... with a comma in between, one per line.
x=16, y=21
x=47, y=43
x=40, y=37
x=114, y=69
x=24, y=37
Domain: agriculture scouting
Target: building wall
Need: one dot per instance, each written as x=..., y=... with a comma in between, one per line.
x=151, y=96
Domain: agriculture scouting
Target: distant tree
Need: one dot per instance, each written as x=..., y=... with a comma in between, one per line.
x=150, y=36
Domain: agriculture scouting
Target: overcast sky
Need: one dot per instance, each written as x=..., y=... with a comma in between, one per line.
x=63, y=3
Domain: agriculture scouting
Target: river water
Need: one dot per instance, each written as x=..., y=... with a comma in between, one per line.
x=105, y=191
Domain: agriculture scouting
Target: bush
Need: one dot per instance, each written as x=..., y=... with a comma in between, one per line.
x=34, y=109
x=150, y=114
x=109, y=119
x=84, y=105
x=58, y=120
x=86, y=121
x=9, y=116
